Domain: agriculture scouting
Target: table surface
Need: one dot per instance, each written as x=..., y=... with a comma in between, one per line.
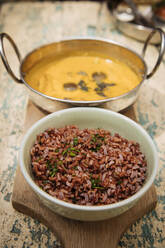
x=34, y=24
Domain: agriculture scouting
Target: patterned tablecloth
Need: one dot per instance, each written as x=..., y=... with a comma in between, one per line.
x=34, y=24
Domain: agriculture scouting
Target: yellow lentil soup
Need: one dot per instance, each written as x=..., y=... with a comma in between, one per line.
x=82, y=77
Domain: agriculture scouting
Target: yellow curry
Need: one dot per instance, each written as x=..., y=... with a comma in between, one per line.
x=82, y=77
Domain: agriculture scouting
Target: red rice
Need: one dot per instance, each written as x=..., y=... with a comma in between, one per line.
x=87, y=167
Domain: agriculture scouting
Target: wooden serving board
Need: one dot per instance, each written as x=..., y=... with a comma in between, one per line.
x=77, y=234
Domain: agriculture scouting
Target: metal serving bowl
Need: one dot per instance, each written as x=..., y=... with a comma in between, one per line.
x=113, y=49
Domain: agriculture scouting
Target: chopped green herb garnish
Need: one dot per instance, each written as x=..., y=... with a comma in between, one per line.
x=74, y=149
x=98, y=187
x=46, y=181
x=64, y=152
x=96, y=137
x=48, y=164
x=52, y=173
x=95, y=149
x=119, y=182
x=75, y=141
x=95, y=183
x=96, y=141
x=72, y=154
x=56, y=150
x=53, y=170
x=60, y=162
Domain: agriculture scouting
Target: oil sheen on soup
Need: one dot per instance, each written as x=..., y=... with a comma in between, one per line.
x=82, y=77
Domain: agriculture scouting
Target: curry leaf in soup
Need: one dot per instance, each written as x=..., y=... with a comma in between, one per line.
x=102, y=85
x=99, y=76
x=111, y=84
x=83, y=85
x=100, y=92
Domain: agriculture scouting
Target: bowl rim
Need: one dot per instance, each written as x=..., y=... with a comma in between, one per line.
x=72, y=206
x=84, y=38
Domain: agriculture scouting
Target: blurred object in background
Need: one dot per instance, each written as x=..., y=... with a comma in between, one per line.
x=159, y=11
x=137, y=20
x=132, y=11
x=147, y=1
x=112, y=4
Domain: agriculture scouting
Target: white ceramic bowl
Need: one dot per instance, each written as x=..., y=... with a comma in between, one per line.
x=90, y=117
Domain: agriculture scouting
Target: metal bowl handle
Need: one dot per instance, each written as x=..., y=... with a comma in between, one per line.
x=161, y=50
x=4, y=58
